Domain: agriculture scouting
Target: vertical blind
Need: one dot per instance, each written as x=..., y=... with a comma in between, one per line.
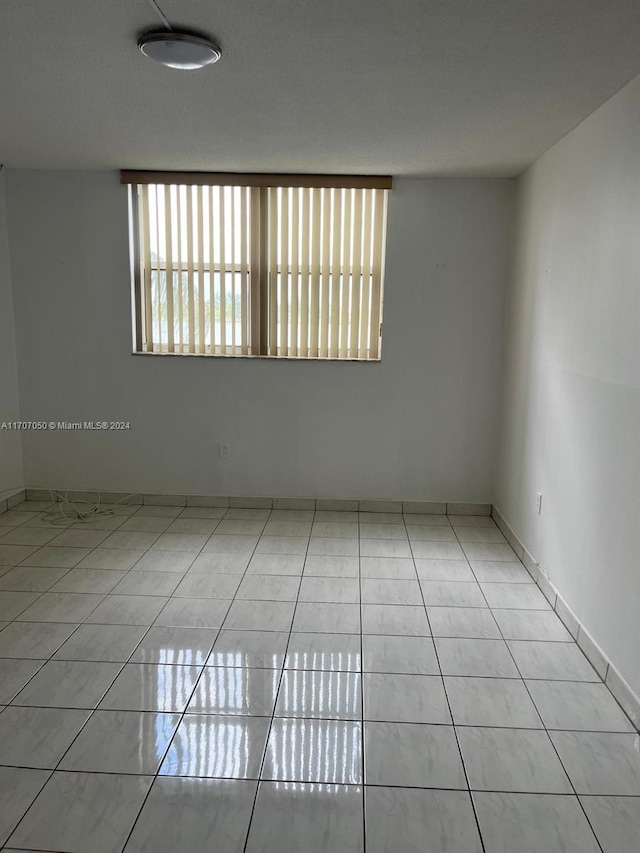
x=288, y=271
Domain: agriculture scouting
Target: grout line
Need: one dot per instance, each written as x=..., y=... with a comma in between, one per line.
x=455, y=733
x=544, y=725
x=277, y=693
x=362, y=687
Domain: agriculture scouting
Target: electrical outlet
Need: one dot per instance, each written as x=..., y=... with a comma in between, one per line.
x=539, y=503
x=224, y=450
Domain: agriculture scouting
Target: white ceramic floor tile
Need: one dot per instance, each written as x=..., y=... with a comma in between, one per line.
x=487, y=571
x=531, y=625
x=14, y=674
x=276, y=564
x=98, y=581
x=230, y=544
x=284, y=527
x=240, y=527
x=149, y=687
x=129, y=540
x=329, y=652
x=491, y=702
x=395, y=568
x=83, y=811
x=335, y=530
x=383, y=591
x=415, y=756
x=480, y=551
x=480, y=658
x=18, y=789
x=59, y=558
x=558, y=661
x=303, y=816
x=235, y=691
x=193, y=613
x=404, y=698
x=269, y=588
x=13, y=604
x=77, y=538
x=578, y=706
x=234, y=563
x=470, y=622
x=516, y=596
x=383, y=531
x=68, y=684
x=38, y=737
x=30, y=579
x=401, y=620
x=327, y=618
x=430, y=533
x=227, y=747
x=328, y=751
x=531, y=823
x=452, y=594
x=119, y=559
x=249, y=649
x=338, y=590
x=61, y=607
x=27, y=535
x=332, y=695
x=407, y=819
x=487, y=535
x=384, y=548
x=470, y=521
x=331, y=566
x=121, y=742
x=193, y=525
x=165, y=561
x=512, y=760
x=192, y=542
x=436, y=550
x=113, y=643
x=11, y=555
x=615, y=821
x=444, y=570
x=194, y=815
x=410, y=655
x=38, y=640
x=145, y=524
x=599, y=763
x=127, y=610
x=147, y=583
x=177, y=645
x=260, y=615
x=332, y=547
x=286, y=545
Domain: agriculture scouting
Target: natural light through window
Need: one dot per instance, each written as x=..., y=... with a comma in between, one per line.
x=234, y=269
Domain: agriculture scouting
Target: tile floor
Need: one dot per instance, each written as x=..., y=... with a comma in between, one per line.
x=248, y=681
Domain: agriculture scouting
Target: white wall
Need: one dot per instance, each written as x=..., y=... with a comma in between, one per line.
x=572, y=392
x=422, y=424
x=11, y=474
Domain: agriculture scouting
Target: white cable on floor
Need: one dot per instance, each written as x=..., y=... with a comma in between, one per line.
x=63, y=510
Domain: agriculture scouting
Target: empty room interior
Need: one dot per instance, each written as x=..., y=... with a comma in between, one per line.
x=320, y=426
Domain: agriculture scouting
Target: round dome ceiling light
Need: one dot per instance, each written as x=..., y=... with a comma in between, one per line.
x=179, y=50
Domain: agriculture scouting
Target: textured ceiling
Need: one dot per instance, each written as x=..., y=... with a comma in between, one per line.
x=420, y=87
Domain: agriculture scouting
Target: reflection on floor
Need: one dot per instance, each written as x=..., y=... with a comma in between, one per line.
x=254, y=681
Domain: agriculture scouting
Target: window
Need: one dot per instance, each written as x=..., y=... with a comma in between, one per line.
x=258, y=265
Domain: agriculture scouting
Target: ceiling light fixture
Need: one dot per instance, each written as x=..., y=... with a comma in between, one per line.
x=177, y=48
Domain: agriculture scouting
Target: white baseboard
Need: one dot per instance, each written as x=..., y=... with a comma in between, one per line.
x=618, y=687
x=247, y=502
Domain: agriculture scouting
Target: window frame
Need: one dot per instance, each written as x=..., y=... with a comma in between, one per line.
x=259, y=267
